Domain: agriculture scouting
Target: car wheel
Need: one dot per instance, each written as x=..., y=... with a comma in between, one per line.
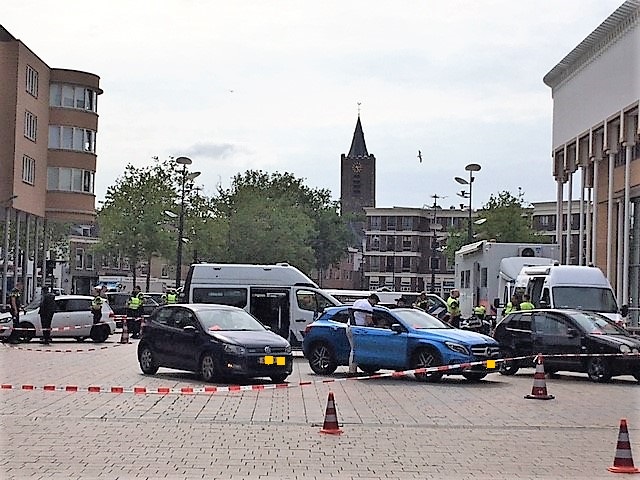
x=368, y=369
x=636, y=375
x=279, y=378
x=100, y=334
x=208, y=369
x=425, y=358
x=474, y=376
x=508, y=367
x=598, y=370
x=322, y=360
x=27, y=333
x=147, y=362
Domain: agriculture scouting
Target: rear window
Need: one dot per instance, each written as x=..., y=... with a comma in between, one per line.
x=74, y=305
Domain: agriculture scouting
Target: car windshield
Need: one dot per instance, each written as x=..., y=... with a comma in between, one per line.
x=220, y=319
x=593, y=299
x=597, y=324
x=418, y=319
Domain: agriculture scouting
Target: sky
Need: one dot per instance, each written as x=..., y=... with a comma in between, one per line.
x=277, y=86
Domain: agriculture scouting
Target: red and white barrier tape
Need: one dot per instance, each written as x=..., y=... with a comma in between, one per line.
x=210, y=390
x=52, y=349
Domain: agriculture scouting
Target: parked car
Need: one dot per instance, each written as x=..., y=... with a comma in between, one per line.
x=119, y=303
x=217, y=341
x=403, y=339
x=73, y=315
x=556, y=332
x=6, y=323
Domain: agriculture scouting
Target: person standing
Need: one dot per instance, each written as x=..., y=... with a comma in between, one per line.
x=15, y=305
x=135, y=307
x=513, y=305
x=170, y=297
x=526, y=303
x=453, y=308
x=96, y=304
x=47, y=308
x=362, y=317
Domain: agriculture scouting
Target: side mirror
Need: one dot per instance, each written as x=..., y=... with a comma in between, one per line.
x=572, y=332
x=496, y=303
x=397, y=328
x=189, y=329
x=624, y=310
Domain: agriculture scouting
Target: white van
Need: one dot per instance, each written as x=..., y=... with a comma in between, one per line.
x=280, y=295
x=570, y=286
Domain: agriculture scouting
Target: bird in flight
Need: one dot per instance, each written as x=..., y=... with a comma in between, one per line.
x=420, y=155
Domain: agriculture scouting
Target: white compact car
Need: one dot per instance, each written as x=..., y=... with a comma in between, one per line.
x=73, y=319
x=6, y=325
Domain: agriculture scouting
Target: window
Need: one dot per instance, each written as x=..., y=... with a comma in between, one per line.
x=356, y=184
x=406, y=243
x=70, y=179
x=30, y=125
x=375, y=223
x=89, y=261
x=164, y=272
x=236, y=297
x=28, y=170
x=70, y=96
x=32, y=81
x=407, y=223
x=72, y=138
x=483, y=277
x=548, y=325
x=391, y=223
x=79, y=258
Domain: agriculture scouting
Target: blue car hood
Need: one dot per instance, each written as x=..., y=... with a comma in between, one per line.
x=462, y=336
x=251, y=338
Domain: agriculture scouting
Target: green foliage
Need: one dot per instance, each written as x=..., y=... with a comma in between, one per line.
x=506, y=220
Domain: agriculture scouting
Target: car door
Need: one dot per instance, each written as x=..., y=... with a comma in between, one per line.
x=81, y=317
x=380, y=346
x=185, y=344
x=554, y=335
x=158, y=334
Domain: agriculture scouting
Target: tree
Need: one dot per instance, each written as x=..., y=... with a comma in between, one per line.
x=275, y=217
x=129, y=218
x=506, y=220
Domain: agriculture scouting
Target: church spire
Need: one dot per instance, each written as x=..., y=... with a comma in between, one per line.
x=358, y=147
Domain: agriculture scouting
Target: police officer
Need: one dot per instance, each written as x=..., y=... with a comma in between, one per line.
x=513, y=305
x=480, y=311
x=453, y=308
x=96, y=304
x=170, y=297
x=135, y=307
x=526, y=303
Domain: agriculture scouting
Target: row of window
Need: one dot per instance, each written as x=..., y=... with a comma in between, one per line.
x=70, y=96
x=72, y=138
x=70, y=179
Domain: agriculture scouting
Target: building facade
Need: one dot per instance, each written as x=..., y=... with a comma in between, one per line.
x=48, y=159
x=357, y=176
x=596, y=97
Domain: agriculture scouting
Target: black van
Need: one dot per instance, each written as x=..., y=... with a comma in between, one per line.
x=570, y=340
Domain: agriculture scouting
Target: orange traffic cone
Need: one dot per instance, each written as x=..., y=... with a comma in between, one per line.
x=623, y=463
x=331, y=418
x=539, y=390
x=124, y=338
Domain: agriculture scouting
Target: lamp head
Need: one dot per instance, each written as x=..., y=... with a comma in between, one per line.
x=473, y=167
x=461, y=181
x=184, y=161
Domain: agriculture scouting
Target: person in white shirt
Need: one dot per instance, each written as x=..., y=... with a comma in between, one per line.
x=362, y=317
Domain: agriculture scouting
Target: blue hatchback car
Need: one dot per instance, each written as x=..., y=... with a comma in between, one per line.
x=401, y=339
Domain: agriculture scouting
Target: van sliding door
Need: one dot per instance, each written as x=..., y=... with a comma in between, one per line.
x=270, y=305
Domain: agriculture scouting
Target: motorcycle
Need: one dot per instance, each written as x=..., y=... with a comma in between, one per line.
x=479, y=324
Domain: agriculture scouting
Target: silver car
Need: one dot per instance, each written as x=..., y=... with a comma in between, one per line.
x=73, y=319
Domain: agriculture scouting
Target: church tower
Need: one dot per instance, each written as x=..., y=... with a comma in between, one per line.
x=357, y=176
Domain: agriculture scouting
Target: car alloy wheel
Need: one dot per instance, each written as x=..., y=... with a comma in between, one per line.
x=598, y=370
x=27, y=333
x=99, y=333
x=147, y=362
x=208, y=368
x=426, y=358
x=322, y=360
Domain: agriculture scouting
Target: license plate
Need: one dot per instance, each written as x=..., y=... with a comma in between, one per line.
x=491, y=364
x=271, y=360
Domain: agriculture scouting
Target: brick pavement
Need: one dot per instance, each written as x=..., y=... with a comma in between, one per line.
x=393, y=428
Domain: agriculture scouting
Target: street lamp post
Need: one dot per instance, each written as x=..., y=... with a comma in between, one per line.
x=184, y=161
x=435, y=228
x=472, y=167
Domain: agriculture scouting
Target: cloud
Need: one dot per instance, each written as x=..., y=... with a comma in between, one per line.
x=212, y=150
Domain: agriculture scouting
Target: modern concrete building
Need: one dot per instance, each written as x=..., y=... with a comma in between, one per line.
x=48, y=164
x=596, y=96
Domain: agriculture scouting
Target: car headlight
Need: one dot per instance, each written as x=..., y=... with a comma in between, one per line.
x=625, y=349
x=234, y=349
x=288, y=349
x=456, y=347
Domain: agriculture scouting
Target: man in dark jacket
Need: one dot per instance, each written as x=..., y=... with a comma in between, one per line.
x=46, y=311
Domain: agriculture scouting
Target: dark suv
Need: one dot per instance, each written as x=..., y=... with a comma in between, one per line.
x=119, y=301
x=570, y=340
